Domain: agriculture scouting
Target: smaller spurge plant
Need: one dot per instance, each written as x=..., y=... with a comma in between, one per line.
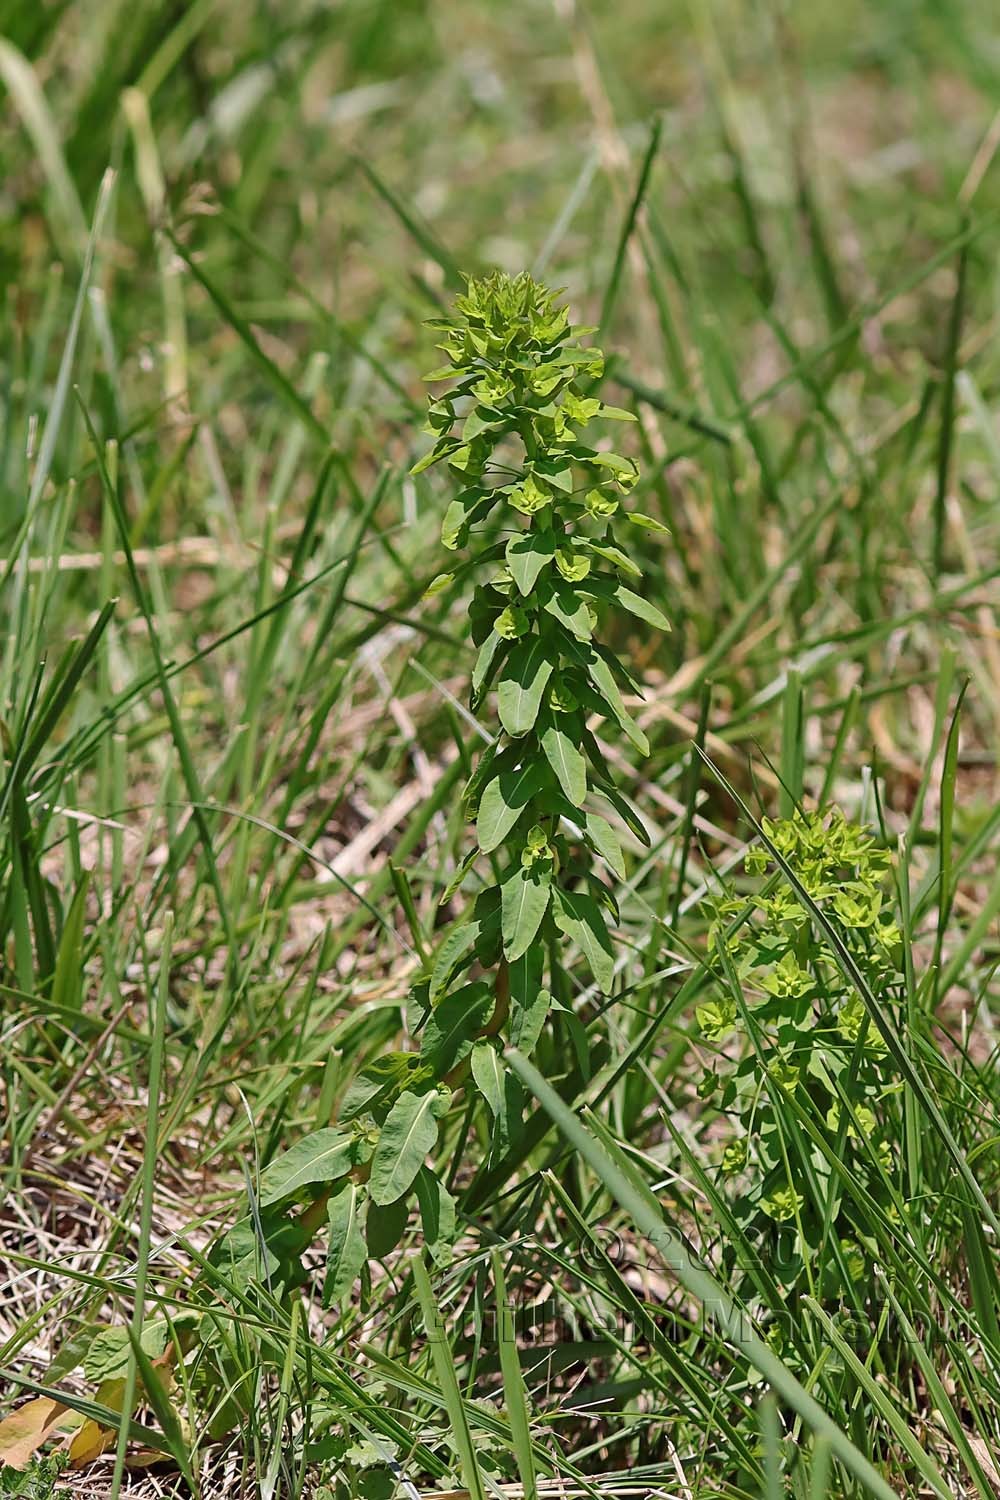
x=797, y=1058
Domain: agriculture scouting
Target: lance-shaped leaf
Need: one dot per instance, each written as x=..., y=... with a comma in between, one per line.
x=616, y=557
x=527, y=555
x=457, y=878
x=487, y=1070
x=409, y=1133
x=245, y=1259
x=491, y=762
x=529, y=1002
x=625, y=470
x=488, y=662
x=500, y=1089
x=437, y=1216
x=604, y=682
x=578, y=915
x=503, y=801
x=466, y=508
x=322, y=1156
x=641, y=608
x=525, y=674
x=566, y=760
x=347, y=1248
x=449, y=445
x=626, y=812
x=457, y=944
x=524, y=897
x=604, y=839
x=528, y=1020
x=647, y=523
x=385, y=1226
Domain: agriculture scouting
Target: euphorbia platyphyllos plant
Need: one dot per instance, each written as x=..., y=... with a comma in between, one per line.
x=543, y=514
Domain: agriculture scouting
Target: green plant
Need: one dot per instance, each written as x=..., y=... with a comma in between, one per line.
x=38, y=1481
x=547, y=503
x=813, y=1093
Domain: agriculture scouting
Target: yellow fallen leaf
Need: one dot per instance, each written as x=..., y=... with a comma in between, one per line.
x=93, y=1439
x=27, y=1428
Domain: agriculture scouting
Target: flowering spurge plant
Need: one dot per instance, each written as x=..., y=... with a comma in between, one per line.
x=800, y=1073
x=538, y=509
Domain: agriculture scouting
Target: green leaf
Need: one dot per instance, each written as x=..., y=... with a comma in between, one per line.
x=409, y=1133
x=438, y=585
x=487, y=1071
x=434, y=456
x=475, y=423
x=616, y=557
x=244, y=1260
x=525, y=674
x=613, y=413
x=503, y=802
x=385, y=1226
x=527, y=555
x=556, y=473
x=627, y=813
x=109, y=1354
x=604, y=682
x=467, y=507
x=511, y=623
x=566, y=761
x=458, y=877
x=437, y=1216
x=379, y=1079
x=347, y=1250
x=320, y=1157
x=491, y=762
x=571, y=611
x=457, y=943
x=605, y=841
x=501, y=1091
x=67, y=981
x=578, y=915
x=528, y=1020
x=646, y=522
x=625, y=470
x=640, y=607
x=529, y=1002
x=493, y=646
x=524, y=897
x=454, y=1024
